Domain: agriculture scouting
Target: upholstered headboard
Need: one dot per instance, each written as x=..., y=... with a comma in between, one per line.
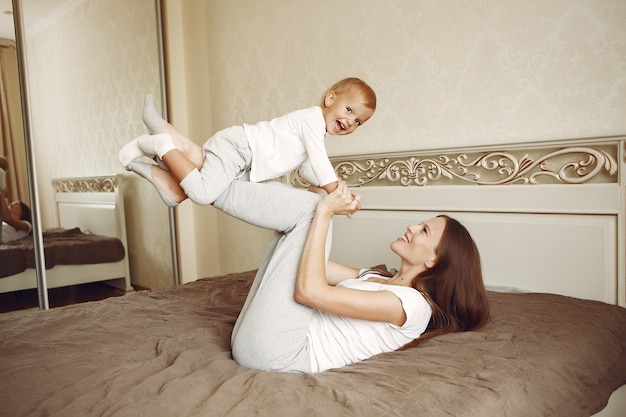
x=94, y=204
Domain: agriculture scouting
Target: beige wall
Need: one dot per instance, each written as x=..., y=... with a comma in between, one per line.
x=447, y=74
x=89, y=70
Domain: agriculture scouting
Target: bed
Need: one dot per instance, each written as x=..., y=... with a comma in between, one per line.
x=89, y=246
x=555, y=343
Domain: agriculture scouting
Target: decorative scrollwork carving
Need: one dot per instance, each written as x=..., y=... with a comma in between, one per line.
x=568, y=165
x=85, y=185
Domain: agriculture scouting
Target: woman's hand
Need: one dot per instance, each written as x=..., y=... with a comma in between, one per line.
x=340, y=201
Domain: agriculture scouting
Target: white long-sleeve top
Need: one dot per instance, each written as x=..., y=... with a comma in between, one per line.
x=10, y=233
x=288, y=142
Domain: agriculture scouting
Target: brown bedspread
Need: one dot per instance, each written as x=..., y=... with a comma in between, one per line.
x=61, y=247
x=167, y=353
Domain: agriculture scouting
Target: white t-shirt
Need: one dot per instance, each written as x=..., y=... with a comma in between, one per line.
x=336, y=341
x=288, y=142
x=10, y=233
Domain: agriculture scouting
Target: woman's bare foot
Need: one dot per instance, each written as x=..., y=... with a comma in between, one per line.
x=165, y=182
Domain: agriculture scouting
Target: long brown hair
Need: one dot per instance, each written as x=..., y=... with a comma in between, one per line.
x=454, y=285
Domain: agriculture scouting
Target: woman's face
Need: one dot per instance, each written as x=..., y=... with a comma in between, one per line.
x=417, y=246
x=15, y=209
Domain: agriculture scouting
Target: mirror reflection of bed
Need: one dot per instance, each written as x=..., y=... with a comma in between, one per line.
x=85, y=257
x=85, y=98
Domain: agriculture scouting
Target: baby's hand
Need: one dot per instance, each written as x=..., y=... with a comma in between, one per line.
x=343, y=201
x=318, y=190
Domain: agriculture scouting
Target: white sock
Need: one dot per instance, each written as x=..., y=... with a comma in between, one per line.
x=144, y=169
x=159, y=144
x=151, y=118
x=130, y=152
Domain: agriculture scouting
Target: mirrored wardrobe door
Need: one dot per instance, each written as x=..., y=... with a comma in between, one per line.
x=89, y=65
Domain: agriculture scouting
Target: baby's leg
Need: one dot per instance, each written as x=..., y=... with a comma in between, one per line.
x=227, y=156
x=156, y=124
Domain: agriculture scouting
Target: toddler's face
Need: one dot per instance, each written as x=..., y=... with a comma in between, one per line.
x=344, y=112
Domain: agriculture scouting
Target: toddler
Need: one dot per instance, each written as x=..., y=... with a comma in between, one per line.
x=265, y=150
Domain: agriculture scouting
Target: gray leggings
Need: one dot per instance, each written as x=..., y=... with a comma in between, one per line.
x=271, y=331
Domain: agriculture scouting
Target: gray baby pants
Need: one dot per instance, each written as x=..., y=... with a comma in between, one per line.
x=271, y=331
x=227, y=156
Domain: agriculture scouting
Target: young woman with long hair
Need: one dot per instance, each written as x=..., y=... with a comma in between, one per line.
x=307, y=314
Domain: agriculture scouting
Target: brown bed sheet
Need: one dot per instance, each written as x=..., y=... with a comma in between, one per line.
x=61, y=247
x=12, y=260
x=167, y=353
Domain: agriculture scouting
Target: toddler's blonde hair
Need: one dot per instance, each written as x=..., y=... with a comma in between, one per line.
x=349, y=84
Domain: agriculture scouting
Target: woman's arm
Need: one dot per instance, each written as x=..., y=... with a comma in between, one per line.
x=312, y=286
x=336, y=272
x=8, y=218
x=4, y=207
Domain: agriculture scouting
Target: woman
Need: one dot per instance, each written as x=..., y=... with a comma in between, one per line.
x=16, y=219
x=304, y=314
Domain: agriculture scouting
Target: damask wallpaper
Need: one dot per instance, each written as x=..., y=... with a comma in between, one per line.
x=447, y=74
